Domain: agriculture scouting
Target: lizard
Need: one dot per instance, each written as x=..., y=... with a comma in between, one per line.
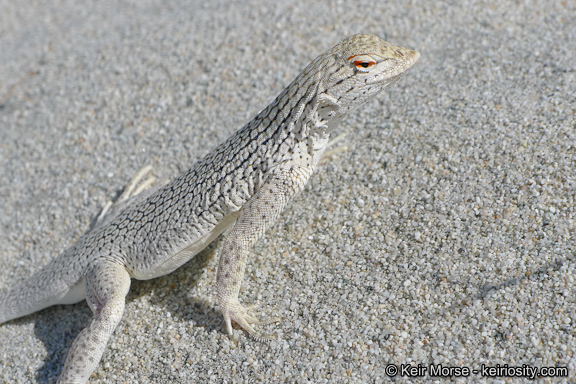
x=241, y=186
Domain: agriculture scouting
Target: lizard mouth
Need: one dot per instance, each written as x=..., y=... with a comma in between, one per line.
x=392, y=69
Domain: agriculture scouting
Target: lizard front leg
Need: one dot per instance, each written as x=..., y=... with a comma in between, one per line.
x=256, y=216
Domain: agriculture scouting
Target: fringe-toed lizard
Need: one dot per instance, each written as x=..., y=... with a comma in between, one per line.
x=244, y=184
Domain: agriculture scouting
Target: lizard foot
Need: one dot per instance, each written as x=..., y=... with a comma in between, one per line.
x=328, y=154
x=137, y=184
x=236, y=312
x=142, y=181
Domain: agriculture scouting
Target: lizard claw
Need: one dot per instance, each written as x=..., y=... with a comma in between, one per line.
x=236, y=311
x=239, y=314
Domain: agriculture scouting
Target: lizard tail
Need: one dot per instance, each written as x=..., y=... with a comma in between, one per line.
x=40, y=291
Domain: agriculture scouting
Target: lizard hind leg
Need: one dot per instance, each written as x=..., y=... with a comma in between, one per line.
x=107, y=284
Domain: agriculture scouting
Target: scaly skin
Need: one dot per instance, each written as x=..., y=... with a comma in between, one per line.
x=245, y=183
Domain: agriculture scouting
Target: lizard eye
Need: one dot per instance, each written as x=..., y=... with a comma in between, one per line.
x=362, y=62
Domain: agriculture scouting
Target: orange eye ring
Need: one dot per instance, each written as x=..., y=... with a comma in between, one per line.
x=363, y=64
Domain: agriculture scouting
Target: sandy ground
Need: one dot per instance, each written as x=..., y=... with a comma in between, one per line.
x=444, y=234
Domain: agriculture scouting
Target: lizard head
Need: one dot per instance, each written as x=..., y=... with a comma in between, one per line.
x=361, y=66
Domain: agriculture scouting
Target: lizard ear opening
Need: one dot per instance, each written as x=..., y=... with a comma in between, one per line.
x=363, y=63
